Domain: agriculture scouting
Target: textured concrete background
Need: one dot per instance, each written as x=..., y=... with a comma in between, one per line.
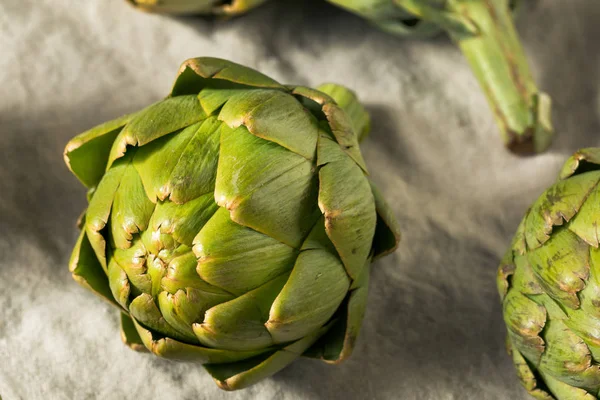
x=433, y=329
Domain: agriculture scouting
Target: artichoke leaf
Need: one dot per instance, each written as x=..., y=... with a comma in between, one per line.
x=239, y=375
x=247, y=162
x=86, y=155
x=236, y=258
x=181, y=167
x=346, y=201
x=562, y=266
x=196, y=169
x=144, y=309
x=187, y=307
x=339, y=123
x=524, y=279
x=348, y=101
x=343, y=131
x=563, y=390
x=585, y=321
x=586, y=223
x=590, y=296
x=274, y=116
x=131, y=209
x=133, y=262
x=86, y=269
x=338, y=343
x=525, y=320
x=328, y=150
x=587, y=327
x=119, y=284
x=567, y=357
x=317, y=286
x=284, y=208
x=181, y=274
x=175, y=350
x=319, y=97
x=506, y=270
x=183, y=222
x=559, y=203
x=266, y=187
x=98, y=212
x=583, y=160
x=239, y=324
x=526, y=375
x=197, y=73
x=213, y=98
x=153, y=122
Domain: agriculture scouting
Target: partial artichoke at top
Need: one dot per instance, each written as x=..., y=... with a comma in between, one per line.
x=484, y=31
x=549, y=282
x=200, y=7
x=233, y=223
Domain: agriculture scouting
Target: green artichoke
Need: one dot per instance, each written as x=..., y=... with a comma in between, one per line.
x=549, y=282
x=206, y=7
x=233, y=222
x=484, y=31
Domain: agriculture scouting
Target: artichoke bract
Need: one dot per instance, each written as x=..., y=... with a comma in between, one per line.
x=200, y=7
x=485, y=32
x=549, y=282
x=233, y=222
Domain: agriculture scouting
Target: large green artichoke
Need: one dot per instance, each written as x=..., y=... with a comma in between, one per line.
x=484, y=31
x=233, y=222
x=207, y=7
x=549, y=282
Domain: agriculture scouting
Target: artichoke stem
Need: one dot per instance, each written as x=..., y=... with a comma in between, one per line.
x=499, y=63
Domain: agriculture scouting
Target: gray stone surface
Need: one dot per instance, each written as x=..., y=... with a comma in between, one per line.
x=433, y=329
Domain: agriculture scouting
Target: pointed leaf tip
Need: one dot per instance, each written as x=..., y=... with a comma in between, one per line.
x=349, y=102
x=583, y=160
x=201, y=72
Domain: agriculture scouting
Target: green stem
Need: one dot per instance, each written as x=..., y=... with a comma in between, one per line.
x=499, y=63
x=485, y=32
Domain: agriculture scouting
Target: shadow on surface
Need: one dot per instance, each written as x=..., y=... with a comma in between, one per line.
x=280, y=30
x=41, y=199
x=433, y=319
x=389, y=136
x=39, y=202
x=568, y=68
x=443, y=329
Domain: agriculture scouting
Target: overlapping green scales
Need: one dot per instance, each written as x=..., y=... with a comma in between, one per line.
x=206, y=222
x=552, y=281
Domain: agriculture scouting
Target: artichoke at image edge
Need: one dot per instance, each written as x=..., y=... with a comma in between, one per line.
x=199, y=7
x=549, y=282
x=233, y=223
x=485, y=33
